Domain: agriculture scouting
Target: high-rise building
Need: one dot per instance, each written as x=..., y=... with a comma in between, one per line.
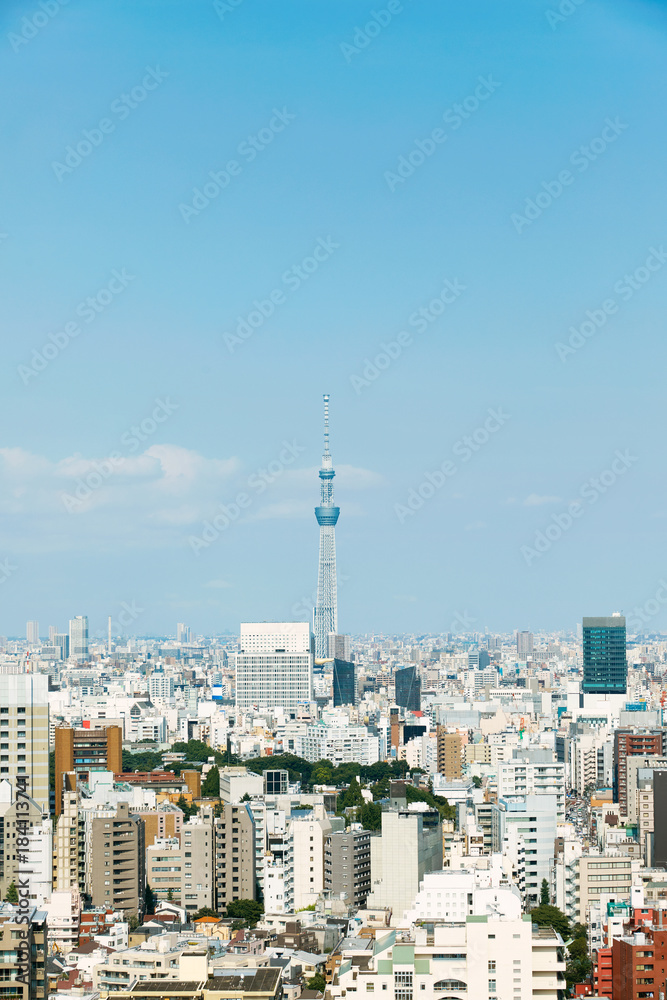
x=605, y=662
x=347, y=866
x=53, y=631
x=450, y=754
x=344, y=683
x=78, y=637
x=32, y=633
x=182, y=868
x=235, y=871
x=274, y=665
x=160, y=686
x=630, y=743
x=183, y=633
x=24, y=732
x=116, y=866
x=86, y=750
x=524, y=645
x=410, y=846
x=326, y=609
x=61, y=641
x=408, y=689
x=339, y=647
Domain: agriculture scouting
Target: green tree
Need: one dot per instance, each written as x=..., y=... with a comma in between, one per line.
x=187, y=809
x=370, y=816
x=551, y=916
x=170, y=894
x=544, y=893
x=352, y=797
x=12, y=895
x=477, y=781
x=149, y=900
x=317, y=982
x=578, y=967
x=247, y=910
x=244, y=798
x=211, y=785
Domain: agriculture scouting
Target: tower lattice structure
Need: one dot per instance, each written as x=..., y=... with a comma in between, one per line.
x=326, y=609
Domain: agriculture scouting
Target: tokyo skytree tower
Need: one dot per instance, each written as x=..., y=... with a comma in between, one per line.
x=326, y=610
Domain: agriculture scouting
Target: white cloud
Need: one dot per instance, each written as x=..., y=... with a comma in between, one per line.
x=535, y=500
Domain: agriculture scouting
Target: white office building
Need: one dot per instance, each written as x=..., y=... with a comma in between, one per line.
x=78, y=637
x=338, y=744
x=274, y=666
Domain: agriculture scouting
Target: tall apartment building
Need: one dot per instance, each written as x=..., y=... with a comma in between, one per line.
x=274, y=665
x=235, y=873
x=605, y=663
x=344, y=683
x=32, y=633
x=24, y=733
x=182, y=869
x=69, y=854
x=633, y=742
x=408, y=689
x=160, y=686
x=23, y=948
x=9, y=852
x=347, y=865
x=85, y=750
x=78, y=637
x=117, y=860
x=524, y=645
x=522, y=776
x=525, y=829
x=308, y=835
x=450, y=754
x=409, y=845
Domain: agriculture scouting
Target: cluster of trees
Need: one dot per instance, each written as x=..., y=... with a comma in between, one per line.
x=322, y=772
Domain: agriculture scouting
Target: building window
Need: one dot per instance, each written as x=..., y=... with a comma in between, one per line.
x=492, y=965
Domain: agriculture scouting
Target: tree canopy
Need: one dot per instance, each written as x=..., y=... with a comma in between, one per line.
x=247, y=910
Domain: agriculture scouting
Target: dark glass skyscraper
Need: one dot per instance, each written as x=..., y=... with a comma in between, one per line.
x=605, y=663
x=408, y=689
x=344, y=684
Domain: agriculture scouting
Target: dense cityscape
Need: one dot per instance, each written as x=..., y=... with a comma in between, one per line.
x=296, y=811
x=333, y=607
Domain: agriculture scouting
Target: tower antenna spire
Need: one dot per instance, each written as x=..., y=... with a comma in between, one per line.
x=325, y=397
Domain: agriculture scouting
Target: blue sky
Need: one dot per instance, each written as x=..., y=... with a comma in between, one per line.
x=332, y=124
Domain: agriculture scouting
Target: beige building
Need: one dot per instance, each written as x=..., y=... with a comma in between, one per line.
x=600, y=875
x=181, y=868
x=450, y=754
x=116, y=866
x=68, y=856
x=235, y=874
x=24, y=734
x=23, y=952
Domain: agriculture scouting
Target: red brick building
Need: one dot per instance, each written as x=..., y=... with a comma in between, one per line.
x=639, y=965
